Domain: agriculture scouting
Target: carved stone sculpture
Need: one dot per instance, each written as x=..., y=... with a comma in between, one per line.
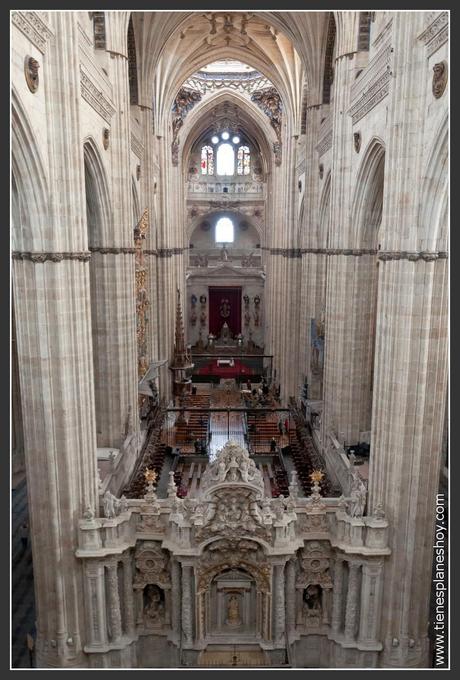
x=31, y=67
x=233, y=612
x=440, y=76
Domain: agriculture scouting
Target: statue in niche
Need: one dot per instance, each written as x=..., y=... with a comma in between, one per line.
x=154, y=608
x=247, y=318
x=312, y=604
x=233, y=612
x=225, y=334
x=224, y=254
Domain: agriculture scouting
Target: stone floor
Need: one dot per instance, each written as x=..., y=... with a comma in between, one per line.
x=22, y=602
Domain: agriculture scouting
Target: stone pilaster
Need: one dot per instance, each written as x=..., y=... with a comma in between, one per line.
x=95, y=602
x=187, y=604
x=371, y=587
x=279, y=606
x=290, y=596
x=337, y=597
x=113, y=603
x=352, y=606
x=175, y=598
x=128, y=594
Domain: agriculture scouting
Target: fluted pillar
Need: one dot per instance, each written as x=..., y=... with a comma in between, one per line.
x=290, y=596
x=187, y=604
x=175, y=597
x=337, y=597
x=128, y=595
x=95, y=603
x=114, y=263
x=113, y=603
x=279, y=606
x=371, y=589
x=352, y=606
x=53, y=330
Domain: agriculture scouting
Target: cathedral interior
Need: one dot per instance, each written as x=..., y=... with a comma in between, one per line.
x=229, y=308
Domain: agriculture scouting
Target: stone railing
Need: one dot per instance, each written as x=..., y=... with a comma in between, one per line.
x=226, y=188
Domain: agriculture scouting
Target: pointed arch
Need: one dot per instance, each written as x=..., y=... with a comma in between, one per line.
x=29, y=183
x=97, y=195
x=367, y=204
x=432, y=217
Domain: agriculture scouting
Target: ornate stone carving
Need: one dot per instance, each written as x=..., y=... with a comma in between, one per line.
x=113, y=506
x=51, y=257
x=184, y=102
x=277, y=147
x=357, y=141
x=321, y=170
x=142, y=300
x=325, y=143
x=152, y=564
x=33, y=27
x=95, y=97
x=358, y=496
x=314, y=563
x=31, y=67
x=436, y=34
x=137, y=146
x=105, y=138
x=112, y=250
x=154, y=607
x=232, y=464
x=229, y=553
x=439, y=79
x=372, y=85
x=269, y=102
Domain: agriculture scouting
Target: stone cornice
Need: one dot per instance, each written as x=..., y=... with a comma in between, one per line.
x=436, y=34
x=136, y=146
x=169, y=252
x=384, y=255
x=325, y=143
x=412, y=256
x=372, y=86
x=113, y=250
x=95, y=97
x=82, y=256
x=33, y=27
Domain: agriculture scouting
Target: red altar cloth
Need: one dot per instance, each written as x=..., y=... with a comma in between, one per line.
x=225, y=371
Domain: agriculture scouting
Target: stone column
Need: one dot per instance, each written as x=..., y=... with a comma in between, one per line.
x=352, y=606
x=113, y=604
x=128, y=594
x=337, y=597
x=175, y=598
x=371, y=587
x=279, y=612
x=53, y=329
x=116, y=268
x=95, y=603
x=187, y=604
x=411, y=367
x=290, y=596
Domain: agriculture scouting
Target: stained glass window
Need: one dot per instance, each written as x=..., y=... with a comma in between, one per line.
x=225, y=160
x=244, y=160
x=207, y=160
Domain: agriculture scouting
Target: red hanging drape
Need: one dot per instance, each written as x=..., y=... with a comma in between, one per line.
x=217, y=298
